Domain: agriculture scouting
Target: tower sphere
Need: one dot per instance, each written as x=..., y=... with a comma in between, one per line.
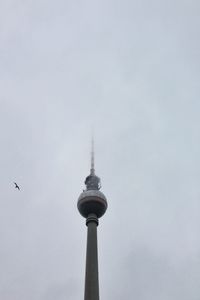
x=92, y=202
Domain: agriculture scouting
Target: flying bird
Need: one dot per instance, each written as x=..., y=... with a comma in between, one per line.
x=16, y=186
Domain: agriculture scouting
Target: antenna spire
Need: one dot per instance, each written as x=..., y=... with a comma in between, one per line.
x=92, y=181
x=92, y=170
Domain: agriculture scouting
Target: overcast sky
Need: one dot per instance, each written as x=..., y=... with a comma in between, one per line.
x=131, y=71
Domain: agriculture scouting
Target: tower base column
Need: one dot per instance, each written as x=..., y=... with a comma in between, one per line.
x=91, y=274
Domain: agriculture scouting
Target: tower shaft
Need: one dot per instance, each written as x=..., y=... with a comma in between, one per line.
x=92, y=205
x=91, y=273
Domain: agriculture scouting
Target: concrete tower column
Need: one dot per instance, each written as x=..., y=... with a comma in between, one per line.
x=91, y=271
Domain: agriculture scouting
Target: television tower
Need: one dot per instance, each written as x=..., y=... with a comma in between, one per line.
x=92, y=205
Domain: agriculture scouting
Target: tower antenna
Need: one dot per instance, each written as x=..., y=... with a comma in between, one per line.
x=92, y=170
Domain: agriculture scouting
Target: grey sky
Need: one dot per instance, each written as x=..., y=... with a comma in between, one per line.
x=130, y=70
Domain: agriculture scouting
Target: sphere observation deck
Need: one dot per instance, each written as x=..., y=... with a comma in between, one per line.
x=92, y=202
